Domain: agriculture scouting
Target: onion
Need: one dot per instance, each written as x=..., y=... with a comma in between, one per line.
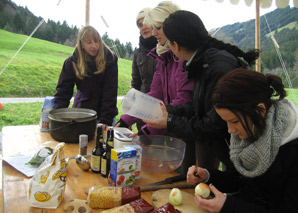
x=203, y=190
x=175, y=197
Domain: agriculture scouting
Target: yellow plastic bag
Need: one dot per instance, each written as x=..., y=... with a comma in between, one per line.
x=47, y=186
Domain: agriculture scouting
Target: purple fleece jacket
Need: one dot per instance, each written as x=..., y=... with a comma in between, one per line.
x=169, y=84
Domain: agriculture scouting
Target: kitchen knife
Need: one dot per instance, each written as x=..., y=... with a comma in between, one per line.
x=145, y=188
x=195, y=172
x=168, y=180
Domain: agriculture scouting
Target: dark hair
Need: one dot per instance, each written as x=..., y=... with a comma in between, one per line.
x=241, y=90
x=187, y=29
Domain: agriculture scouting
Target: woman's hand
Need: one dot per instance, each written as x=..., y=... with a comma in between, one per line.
x=212, y=205
x=160, y=123
x=202, y=175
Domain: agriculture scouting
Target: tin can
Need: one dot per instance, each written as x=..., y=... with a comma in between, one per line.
x=83, y=143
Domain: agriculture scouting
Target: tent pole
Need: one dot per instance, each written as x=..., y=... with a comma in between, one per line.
x=257, y=35
x=87, y=12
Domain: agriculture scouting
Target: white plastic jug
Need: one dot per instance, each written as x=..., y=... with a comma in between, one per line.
x=141, y=105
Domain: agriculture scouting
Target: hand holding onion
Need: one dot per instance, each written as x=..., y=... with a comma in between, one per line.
x=214, y=204
x=203, y=190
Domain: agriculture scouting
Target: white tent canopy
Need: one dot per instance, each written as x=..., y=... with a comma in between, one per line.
x=266, y=3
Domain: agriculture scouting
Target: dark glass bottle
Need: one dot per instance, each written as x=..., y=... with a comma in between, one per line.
x=106, y=157
x=98, y=151
x=105, y=161
x=110, y=137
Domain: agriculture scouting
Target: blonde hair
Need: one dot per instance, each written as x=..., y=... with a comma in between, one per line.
x=100, y=60
x=160, y=13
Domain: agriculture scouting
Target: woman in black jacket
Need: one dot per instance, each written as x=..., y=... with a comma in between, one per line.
x=93, y=69
x=143, y=66
x=206, y=60
x=263, y=146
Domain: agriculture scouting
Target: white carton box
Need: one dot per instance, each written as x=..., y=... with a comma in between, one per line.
x=138, y=159
x=122, y=170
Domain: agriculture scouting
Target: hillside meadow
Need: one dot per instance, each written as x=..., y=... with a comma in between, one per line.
x=35, y=70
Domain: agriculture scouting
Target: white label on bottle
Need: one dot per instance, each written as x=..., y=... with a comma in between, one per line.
x=95, y=163
x=103, y=166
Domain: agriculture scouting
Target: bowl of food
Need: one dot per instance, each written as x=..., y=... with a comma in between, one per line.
x=160, y=153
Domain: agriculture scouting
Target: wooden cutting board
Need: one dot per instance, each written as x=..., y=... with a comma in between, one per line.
x=161, y=197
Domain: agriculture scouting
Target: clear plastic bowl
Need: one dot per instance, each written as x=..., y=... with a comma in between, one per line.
x=160, y=153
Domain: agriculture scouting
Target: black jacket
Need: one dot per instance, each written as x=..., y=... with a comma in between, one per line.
x=200, y=120
x=97, y=92
x=274, y=191
x=143, y=69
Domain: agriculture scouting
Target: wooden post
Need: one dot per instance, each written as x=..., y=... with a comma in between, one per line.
x=87, y=12
x=257, y=35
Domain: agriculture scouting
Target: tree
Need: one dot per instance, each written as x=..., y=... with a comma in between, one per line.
x=129, y=50
x=18, y=23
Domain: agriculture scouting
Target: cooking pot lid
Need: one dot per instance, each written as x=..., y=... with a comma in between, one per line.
x=72, y=114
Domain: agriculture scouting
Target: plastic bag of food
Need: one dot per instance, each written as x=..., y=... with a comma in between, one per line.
x=46, y=189
x=109, y=196
x=136, y=206
x=167, y=208
x=39, y=156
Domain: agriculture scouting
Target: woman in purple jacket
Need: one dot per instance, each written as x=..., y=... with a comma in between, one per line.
x=169, y=83
x=93, y=69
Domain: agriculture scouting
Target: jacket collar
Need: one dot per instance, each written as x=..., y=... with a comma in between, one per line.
x=192, y=67
x=167, y=56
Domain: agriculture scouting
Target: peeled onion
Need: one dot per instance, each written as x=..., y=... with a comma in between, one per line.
x=175, y=197
x=203, y=190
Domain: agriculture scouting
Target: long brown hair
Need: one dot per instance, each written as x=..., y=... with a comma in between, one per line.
x=100, y=60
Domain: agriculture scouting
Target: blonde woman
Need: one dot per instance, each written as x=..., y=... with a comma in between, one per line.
x=93, y=69
x=169, y=83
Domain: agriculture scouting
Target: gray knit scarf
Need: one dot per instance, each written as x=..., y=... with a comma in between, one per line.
x=253, y=158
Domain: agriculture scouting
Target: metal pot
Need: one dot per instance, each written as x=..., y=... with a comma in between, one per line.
x=67, y=124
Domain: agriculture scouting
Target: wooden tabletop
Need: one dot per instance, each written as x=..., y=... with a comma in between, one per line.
x=14, y=185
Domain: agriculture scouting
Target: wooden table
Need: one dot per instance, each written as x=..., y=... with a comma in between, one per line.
x=14, y=188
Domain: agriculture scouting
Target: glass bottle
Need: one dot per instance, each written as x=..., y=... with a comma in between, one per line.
x=106, y=157
x=105, y=162
x=98, y=151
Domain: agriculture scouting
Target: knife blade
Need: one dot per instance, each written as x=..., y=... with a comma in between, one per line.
x=195, y=172
x=168, y=180
x=145, y=188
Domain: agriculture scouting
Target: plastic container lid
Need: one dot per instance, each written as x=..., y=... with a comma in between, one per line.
x=122, y=134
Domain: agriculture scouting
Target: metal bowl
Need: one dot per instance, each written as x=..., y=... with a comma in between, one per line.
x=160, y=153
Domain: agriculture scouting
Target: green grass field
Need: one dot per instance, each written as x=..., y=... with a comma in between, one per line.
x=35, y=70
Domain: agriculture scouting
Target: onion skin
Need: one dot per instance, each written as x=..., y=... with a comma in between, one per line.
x=175, y=197
x=203, y=190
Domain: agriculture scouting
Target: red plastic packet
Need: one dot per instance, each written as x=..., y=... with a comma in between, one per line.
x=136, y=206
x=167, y=208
